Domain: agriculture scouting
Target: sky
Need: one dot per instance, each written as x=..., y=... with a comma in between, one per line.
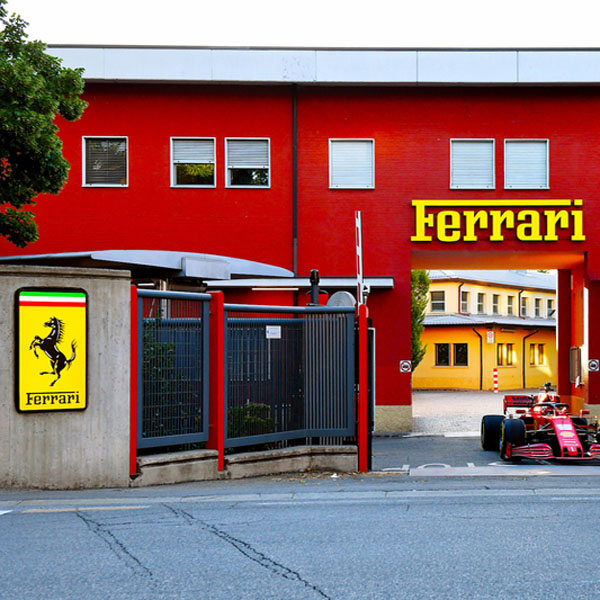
x=316, y=23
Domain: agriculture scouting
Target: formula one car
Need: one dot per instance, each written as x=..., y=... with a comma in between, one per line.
x=540, y=427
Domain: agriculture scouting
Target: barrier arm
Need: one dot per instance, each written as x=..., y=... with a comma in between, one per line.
x=362, y=434
x=216, y=405
x=133, y=383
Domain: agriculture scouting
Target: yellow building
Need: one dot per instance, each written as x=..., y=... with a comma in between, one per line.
x=481, y=321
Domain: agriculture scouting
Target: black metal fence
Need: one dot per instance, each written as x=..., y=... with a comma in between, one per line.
x=173, y=368
x=289, y=373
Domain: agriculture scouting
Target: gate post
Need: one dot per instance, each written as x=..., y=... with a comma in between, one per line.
x=133, y=383
x=216, y=405
x=363, y=397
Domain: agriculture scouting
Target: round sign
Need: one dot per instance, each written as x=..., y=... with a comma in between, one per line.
x=405, y=366
x=594, y=365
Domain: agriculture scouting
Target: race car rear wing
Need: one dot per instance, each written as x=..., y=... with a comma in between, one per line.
x=519, y=402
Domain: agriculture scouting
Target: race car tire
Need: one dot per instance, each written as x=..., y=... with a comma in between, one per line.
x=579, y=421
x=491, y=429
x=513, y=434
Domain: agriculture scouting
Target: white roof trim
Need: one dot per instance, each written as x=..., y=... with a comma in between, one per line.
x=394, y=66
x=301, y=282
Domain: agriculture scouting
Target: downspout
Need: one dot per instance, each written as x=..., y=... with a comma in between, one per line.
x=295, y=179
x=519, y=304
x=459, y=298
x=480, y=358
x=523, y=355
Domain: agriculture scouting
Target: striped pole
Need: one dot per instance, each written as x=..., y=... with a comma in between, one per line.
x=495, y=380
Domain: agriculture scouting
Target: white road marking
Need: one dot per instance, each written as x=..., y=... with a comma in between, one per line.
x=470, y=465
x=462, y=434
x=4, y=512
x=503, y=470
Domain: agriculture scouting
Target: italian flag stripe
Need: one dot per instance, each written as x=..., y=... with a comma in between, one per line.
x=52, y=298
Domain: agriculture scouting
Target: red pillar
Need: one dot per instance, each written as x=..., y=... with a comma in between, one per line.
x=363, y=397
x=563, y=332
x=133, y=383
x=216, y=408
x=593, y=381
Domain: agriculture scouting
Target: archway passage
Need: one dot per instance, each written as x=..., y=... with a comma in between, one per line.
x=575, y=342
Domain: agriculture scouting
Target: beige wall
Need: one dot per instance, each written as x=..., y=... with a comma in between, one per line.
x=87, y=448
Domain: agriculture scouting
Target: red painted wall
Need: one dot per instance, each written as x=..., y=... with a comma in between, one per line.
x=412, y=128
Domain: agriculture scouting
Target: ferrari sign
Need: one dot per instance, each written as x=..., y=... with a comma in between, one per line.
x=51, y=344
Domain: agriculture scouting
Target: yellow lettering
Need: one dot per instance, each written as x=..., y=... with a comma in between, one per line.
x=529, y=230
x=448, y=226
x=578, y=235
x=554, y=218
x=421, y=221
x=499, y=217
x=471, y=219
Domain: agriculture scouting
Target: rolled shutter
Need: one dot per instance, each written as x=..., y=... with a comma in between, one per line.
x=526, y=164
x=352, y=164
x=472, y=164
x=248, y=154
x=194, y=151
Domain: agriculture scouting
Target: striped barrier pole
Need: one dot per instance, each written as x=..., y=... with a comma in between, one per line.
x=495, y=380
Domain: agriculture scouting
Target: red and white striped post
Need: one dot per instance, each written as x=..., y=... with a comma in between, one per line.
x=495, y=380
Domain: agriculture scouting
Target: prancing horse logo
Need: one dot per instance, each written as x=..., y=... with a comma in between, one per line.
x=58, y=361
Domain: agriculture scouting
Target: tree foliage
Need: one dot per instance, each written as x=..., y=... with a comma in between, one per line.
x=34, y=89
x=419, y=287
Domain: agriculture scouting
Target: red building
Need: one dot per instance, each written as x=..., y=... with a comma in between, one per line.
x=457, y=159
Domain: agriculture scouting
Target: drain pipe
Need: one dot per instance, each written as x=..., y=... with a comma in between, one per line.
x=295, y=179
x=523, y=355
x=459, y=298
x=480, y=358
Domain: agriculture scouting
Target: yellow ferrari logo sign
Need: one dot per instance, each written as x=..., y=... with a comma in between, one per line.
x=51, y=350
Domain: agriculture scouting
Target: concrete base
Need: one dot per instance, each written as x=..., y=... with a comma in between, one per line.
x=201, y=465
x=393, y=418
x=176, y=467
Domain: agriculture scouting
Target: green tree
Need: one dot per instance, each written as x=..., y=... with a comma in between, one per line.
x=34, y=89
x=419, y=287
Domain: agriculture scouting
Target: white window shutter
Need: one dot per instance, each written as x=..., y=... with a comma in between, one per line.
x=472, y=164
x=193, y=151
x=252, y=154
x=526, y=164
x=352, y=164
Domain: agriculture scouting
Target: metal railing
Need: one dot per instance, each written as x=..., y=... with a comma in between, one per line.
x=173, y=368
x=289, y=373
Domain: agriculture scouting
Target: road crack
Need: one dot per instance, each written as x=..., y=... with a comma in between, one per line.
x=248, y=551
x=117, y=547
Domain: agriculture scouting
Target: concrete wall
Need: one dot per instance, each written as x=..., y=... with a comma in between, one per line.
x=88, y=448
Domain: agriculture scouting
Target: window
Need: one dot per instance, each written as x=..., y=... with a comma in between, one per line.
x=526, y=164
x=480, y=303
x=193, y=161
x=472, y=164
x=248, y=163
x=538, y=307
x=510, y=303
x=461, y=355
x=464, y=302
x=536, y=354
x=495, y=303
x=105, y=161
x=442, y=355
x=438, y=301
x=351, y=164
x=550, y=308
x=504, y=357
x=524, y=306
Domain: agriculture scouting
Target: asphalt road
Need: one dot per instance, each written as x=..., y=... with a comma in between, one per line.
x=302, y=537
